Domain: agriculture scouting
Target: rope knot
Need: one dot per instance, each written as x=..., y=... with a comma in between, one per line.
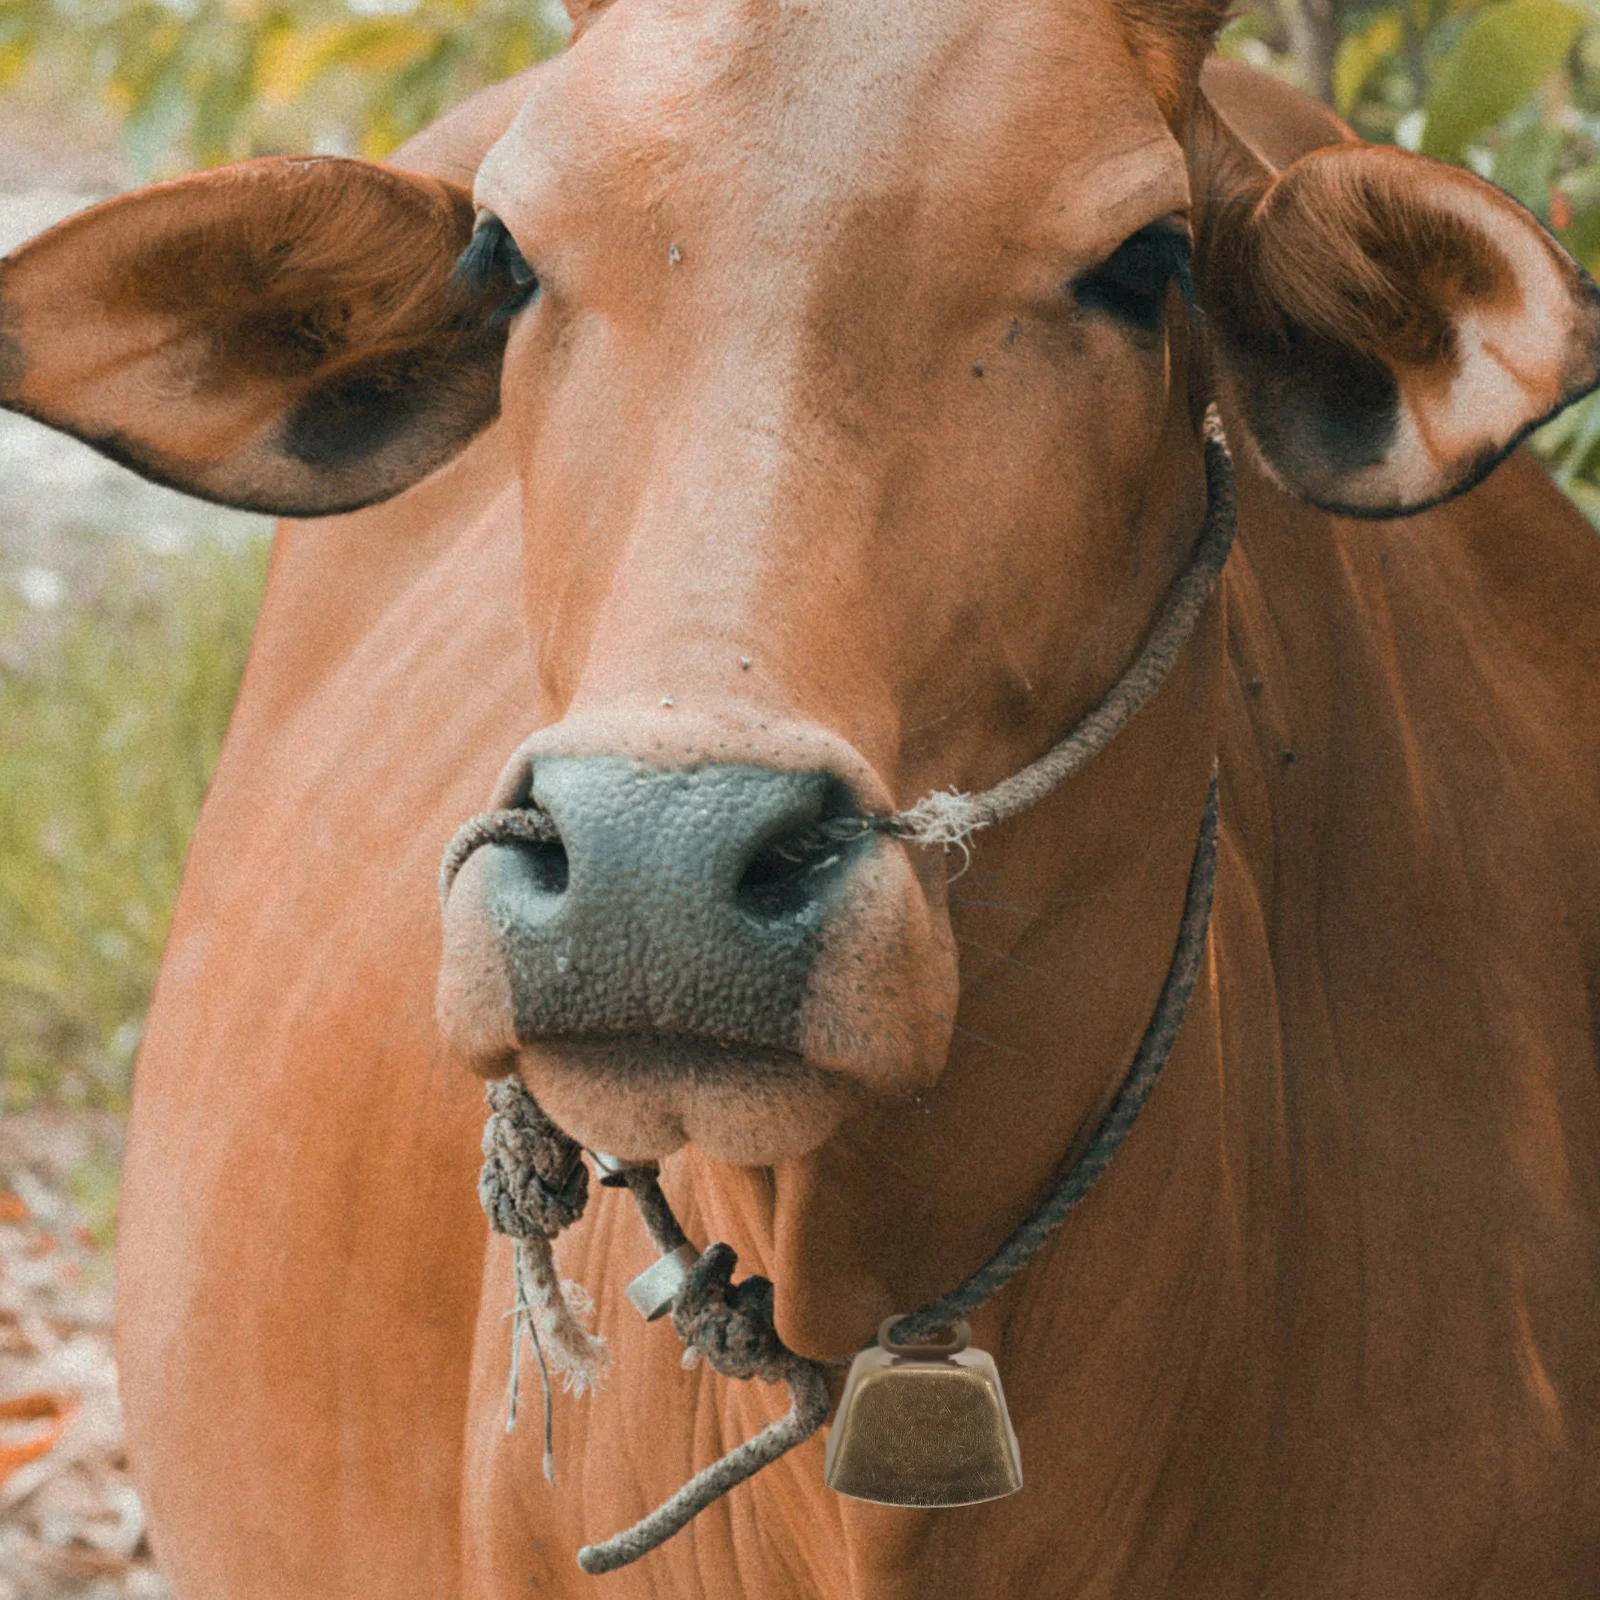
x=533, y=1183
x=730, y=1324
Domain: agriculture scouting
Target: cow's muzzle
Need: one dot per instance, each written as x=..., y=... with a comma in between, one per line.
x=678, y=903
x=692, y=955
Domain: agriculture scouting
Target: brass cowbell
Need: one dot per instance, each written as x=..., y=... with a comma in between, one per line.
x=923, y=1425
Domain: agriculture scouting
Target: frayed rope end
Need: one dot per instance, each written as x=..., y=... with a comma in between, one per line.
x=946, y=817
x=554, y=1314
x=582, y=1358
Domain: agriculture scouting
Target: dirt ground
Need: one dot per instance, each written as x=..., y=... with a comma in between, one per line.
x=71, y=1526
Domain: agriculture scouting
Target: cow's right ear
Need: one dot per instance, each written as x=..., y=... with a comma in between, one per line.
x=1389, y=326
x=283, y=335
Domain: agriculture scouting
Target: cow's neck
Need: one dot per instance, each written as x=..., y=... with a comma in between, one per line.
x=1061, y=970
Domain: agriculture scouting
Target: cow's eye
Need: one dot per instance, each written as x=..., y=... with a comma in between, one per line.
x=493, y=267
x=1131, y=283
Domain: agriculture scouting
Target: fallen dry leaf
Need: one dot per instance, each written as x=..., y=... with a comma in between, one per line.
x=46, y=1413
x=71, y=1525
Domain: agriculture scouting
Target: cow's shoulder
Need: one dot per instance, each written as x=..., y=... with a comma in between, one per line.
x=1279, y=122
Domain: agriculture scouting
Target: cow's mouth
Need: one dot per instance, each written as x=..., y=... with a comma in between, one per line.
x=623, y=1061
x=642, y=1095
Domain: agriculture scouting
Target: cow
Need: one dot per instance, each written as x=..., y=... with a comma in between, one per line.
x=776, y=411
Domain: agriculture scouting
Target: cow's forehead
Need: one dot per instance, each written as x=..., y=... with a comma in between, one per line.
x=1028, y=119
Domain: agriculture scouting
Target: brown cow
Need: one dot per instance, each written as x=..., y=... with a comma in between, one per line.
x=852, y=397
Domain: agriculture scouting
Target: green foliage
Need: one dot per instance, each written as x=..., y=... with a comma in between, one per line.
x=1362, y=53
x=1510, y=88
x=1505, y=54
x=112, y=705
x=206, y=81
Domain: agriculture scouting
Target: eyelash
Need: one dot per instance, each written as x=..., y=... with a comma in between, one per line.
x=1131, y=284
x=493, y=266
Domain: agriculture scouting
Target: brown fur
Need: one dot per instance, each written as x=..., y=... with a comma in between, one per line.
x=1170, y=39
x=1362, y=258
x=237, y=297
x=1326, y=1328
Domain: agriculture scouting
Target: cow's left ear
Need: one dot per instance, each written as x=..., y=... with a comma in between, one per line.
x=1390, y=326
x=283, y=335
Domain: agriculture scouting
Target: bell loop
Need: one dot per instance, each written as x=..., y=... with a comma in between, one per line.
x=925, y=1349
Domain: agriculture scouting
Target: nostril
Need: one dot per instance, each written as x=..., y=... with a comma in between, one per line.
x=535, y=851
x=792, y=870
x=545, y=864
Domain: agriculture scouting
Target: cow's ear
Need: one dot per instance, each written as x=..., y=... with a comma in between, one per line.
x=1390, y=326
x=283, y=335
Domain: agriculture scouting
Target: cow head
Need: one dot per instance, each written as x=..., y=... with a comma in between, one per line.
x=852, y=357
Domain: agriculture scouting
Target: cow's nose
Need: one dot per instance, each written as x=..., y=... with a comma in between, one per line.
x=678, y=901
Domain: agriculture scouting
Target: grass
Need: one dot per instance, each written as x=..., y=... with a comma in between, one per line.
x=118, y=669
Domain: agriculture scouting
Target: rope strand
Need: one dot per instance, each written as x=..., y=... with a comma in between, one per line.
x=808, y=1410
x=1155, y=1049
x=730, y=1325
x=948, y=816
x=533, y=1183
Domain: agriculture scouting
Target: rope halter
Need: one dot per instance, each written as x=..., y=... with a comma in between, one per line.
x=534, y=1182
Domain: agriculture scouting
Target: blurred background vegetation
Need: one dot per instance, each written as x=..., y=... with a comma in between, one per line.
x=197, y=82
x=119, y=657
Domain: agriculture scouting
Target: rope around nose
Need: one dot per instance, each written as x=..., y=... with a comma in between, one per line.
x=730, y=1326
x=534, y=1183
x=949, y=817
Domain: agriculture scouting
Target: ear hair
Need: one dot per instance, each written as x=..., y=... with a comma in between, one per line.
x=1227, y=178
x=1390, y=248
x=284, y=335
x=1389, y=325
x=1170, y=39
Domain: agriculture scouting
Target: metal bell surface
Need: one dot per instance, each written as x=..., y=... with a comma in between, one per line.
x=651, y=1294
x=612, y=1171
x=923, y=1425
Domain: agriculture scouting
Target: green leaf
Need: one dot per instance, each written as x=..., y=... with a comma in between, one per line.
x=288, y=61
x=1587, y=498
x=158, y=119
x=1359, y=54
x=1525, y=163
x=1580, y=189
x=1501, y=59
x=225, y=96
x=381, y=46
x=1568, y=442
x=20, y=24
